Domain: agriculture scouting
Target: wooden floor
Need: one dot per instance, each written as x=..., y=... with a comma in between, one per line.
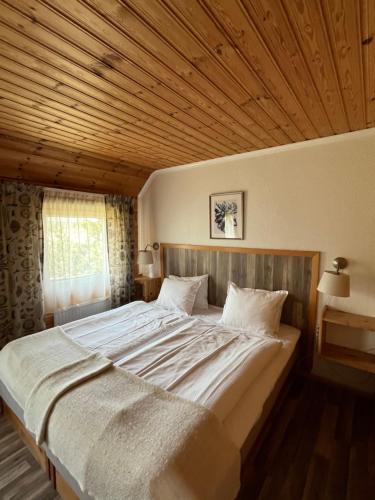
x=21, y=478
x=321, y=446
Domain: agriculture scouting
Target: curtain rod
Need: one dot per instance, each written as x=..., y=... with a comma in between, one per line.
x=72, y=191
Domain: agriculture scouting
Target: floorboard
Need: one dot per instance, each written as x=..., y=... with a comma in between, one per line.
x=21, y=477
x=320, y=446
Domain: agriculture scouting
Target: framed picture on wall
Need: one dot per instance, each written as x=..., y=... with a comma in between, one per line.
x=226, y=216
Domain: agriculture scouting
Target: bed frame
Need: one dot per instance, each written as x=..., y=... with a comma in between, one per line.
x=293, y=270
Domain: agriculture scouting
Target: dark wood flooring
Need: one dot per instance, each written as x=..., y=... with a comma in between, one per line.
x=21, y=477
x=320, y=446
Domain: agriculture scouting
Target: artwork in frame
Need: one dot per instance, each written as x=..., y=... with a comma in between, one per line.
x=226, y=216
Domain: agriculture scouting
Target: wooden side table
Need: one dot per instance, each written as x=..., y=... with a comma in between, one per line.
x=345, y=355
x=147, y=289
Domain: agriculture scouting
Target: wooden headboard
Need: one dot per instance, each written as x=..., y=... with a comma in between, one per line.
x=293, y=270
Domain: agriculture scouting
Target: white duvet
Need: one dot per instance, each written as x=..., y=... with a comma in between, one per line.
x=198, y=360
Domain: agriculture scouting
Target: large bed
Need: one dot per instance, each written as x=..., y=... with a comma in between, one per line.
x=236, y=375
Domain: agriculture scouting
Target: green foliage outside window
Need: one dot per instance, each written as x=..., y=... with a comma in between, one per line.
x=76, y=247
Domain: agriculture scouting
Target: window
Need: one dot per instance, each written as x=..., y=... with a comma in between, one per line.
x=75, y=246
x=75, y=249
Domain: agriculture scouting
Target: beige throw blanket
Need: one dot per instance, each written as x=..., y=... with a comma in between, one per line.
x=119, y=436
x=50, y=388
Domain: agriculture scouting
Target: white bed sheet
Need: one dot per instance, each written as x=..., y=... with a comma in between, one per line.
x=236, y=393
x=246, y=413
x=248, y=410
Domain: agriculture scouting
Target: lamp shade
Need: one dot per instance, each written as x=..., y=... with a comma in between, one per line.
x=335, y=284
x=145, y=257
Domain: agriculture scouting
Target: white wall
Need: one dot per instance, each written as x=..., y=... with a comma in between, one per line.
x=316, y=195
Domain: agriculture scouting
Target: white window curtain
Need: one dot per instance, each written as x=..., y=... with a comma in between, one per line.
x=75, y=269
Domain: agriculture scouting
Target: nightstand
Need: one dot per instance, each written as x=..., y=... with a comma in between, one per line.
x=340, y=354
x=147, y=289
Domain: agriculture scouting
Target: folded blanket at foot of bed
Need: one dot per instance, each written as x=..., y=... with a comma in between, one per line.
x=119, y=436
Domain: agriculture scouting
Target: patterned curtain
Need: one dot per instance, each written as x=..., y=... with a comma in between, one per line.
x=21, y=299
x=121, y=224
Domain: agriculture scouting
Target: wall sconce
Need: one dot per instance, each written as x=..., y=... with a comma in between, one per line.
x=335, y=283
x=145, y=256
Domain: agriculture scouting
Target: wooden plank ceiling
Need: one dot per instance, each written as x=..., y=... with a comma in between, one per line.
x=96, y=94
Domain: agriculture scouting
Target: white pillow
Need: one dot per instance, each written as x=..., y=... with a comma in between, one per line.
x=201, y=301
x=255, y=310
x=178, y=295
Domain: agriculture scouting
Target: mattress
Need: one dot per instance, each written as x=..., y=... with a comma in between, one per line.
x=240, y=410
x=230, y=372
x=248, y=410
